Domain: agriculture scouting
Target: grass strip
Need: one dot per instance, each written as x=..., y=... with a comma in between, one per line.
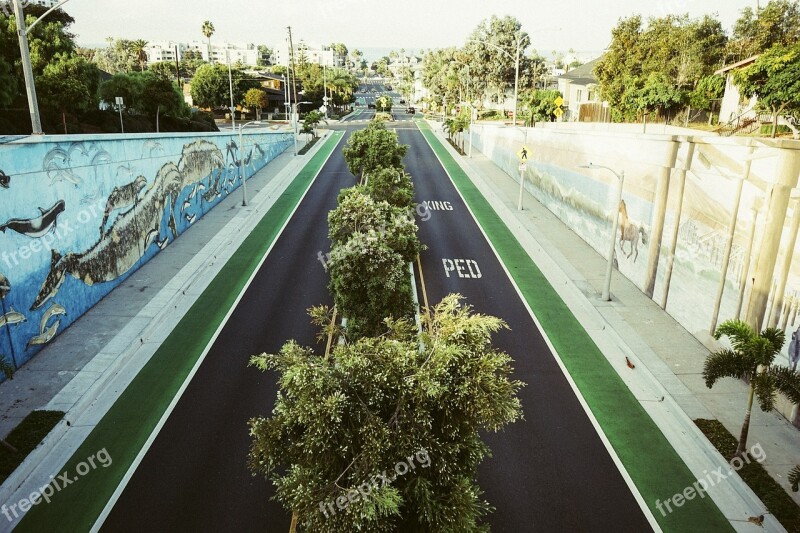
x=25, y=438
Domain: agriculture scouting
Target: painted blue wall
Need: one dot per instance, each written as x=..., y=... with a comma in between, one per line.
x=79, y=214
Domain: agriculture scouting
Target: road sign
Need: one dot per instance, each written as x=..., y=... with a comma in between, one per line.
x=325, y=99
x=558, y=101
x=522, y=167
x=119, y=100
x=558, y=112
x=523, y=154
x=323, y=109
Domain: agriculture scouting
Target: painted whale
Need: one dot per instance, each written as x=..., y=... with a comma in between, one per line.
x=5, y=286
x=122, y=197
x=39, y=226
x=120, y=247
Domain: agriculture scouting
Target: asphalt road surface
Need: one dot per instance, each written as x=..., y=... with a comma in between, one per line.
x=550, y=472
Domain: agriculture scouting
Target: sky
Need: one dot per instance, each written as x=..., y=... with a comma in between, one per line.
x=583, y=25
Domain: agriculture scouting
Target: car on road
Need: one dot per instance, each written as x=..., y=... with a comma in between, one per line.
x=371, y=105
x=411, y=110
x=402, y=100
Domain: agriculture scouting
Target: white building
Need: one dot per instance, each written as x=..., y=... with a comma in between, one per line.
x=313, y=53
x=220, y=52
x=7, y=6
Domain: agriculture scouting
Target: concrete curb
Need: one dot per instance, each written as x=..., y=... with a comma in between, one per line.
x=734, y=498
x=120, y=360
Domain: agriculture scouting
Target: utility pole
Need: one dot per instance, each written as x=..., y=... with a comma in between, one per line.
x=178, y=67
x=293, y=75
x=27, y=69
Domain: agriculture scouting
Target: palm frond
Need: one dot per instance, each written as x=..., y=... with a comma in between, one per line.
x=764, y=384
x=776, y=337
x=794, y=478
x=739, y=332
x=726, y=363
x=787, y=381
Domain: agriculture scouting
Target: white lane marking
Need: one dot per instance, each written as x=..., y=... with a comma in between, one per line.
x=462, y=267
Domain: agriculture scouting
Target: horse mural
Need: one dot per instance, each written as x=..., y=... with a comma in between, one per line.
x=629, y=232
x=794, y=349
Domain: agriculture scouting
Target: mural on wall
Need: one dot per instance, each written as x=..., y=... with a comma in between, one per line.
x=93, y=211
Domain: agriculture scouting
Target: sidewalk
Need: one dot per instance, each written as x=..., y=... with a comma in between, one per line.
x=668, y=359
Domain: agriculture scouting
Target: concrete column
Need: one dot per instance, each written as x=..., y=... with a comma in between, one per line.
x=657, y=223
x=788, y=168
x=746, y=260
x=780, y=292
x=677, y=225
x=726, y=258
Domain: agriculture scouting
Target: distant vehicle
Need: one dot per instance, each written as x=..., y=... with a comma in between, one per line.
x=371, y=105
x=411, y=110
x=402, y=100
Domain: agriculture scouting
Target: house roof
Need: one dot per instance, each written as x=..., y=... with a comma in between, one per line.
x=582, y=75
x=740, y=64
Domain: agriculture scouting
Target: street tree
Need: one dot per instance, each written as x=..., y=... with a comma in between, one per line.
x=8, y=83
x=138, y=49
x=392, y=185
x=68, y=86
x=756, y=31
x=342, y=420
x=659, y=95
x=208, y=30
x=751, y=358
x=257, y=99
x=210, y=86
x=775, y=79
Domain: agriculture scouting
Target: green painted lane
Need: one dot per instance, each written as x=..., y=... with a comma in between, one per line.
x=654, y=466
x=125, y=428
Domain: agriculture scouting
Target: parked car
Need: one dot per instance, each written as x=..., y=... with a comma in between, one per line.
x=371, y=105
x=411, y=110
x=402, y=100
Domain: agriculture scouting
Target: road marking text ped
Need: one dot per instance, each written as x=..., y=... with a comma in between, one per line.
x=464, y=268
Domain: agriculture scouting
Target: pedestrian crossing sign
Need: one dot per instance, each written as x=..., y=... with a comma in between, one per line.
x=524, y=154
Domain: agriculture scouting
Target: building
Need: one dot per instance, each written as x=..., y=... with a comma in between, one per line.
x=303, y=51
x=412, y=62
x=578, y=88
x=247, y=54
x=734, y=106
x=7, y=6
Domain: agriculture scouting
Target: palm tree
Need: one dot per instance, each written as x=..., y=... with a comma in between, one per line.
x=751, y=358
x=138, y=48
x=208, y=31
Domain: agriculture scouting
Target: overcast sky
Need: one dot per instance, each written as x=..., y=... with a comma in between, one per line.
x=584, y=25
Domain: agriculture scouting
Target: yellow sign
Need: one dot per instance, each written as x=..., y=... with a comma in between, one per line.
x=558, y=101
x=524, y=154
x=558, y=112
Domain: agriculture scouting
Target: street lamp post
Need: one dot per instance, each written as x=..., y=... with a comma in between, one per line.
x=241, y=161
x=27, y=68
x=610, y=266
x=230, y=85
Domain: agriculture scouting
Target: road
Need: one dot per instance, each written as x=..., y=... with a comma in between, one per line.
x=194, y=477
x=550, y=472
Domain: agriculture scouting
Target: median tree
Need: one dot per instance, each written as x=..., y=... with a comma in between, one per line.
x=68, y=85
x=373, y=148
x=381, y=435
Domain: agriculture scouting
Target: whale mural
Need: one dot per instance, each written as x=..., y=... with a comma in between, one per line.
x=140, y=191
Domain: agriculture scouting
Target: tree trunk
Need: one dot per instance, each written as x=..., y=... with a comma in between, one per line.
x=7, y=445
x=775, y=125
x=293, y=526
x=742, y=447
x=64, y=120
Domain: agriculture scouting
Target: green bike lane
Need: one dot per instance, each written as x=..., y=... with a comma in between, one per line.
x=655, y=468
x=125, y=429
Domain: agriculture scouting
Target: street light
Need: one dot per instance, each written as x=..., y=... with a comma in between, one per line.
x=471, y=108
x=515, y=58
x=609, y=267
x=27, y=68
x=241, y=161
